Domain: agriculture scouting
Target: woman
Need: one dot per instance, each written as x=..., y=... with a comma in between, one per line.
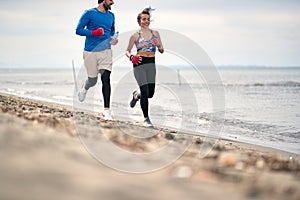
x=146, y=42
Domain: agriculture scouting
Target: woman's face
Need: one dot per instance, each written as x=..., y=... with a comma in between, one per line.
x=145, y=20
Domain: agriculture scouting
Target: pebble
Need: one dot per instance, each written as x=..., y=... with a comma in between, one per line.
x=227, y=160
x=240, y=166
x=183, y=172
x=260, y=163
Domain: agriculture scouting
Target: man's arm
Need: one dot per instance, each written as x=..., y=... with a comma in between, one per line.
x=80, y=29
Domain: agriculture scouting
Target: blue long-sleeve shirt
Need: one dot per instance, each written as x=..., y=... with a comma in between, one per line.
x=91, y=20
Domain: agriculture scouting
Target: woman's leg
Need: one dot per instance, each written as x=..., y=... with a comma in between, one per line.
x=151, y=88
x=144, y=99
x=145, y=74
x=151, y=76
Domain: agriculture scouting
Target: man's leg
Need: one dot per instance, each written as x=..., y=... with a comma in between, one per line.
x=106, y=88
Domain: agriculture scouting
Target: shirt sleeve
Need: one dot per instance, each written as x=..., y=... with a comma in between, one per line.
x=81, y=26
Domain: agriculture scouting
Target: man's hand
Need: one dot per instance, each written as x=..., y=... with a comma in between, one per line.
x=114, y=41
x=98, y=32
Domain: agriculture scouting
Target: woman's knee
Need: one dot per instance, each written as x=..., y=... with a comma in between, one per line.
x=144, y=91
x=151, y=88
x=151, y=95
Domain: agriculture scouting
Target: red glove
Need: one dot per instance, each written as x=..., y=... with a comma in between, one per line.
x=98, y=32
x=156, y=42
x=135, y=59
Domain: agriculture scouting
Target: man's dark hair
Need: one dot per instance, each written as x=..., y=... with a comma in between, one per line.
x=100, y=1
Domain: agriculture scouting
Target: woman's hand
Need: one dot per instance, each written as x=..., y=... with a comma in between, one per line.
x=161, y=50
x=156, y=42
x=135, y=59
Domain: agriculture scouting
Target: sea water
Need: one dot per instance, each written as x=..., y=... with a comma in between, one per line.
x=255, y=105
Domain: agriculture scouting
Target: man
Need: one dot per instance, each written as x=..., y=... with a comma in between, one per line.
x=98, y=26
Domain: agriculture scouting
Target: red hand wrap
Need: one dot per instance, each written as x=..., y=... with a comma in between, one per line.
x=98, y=32
x=135, y=59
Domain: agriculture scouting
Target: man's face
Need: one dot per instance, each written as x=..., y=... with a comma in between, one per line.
x=107, y=4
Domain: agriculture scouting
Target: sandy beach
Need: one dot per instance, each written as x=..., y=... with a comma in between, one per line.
x=43, y=157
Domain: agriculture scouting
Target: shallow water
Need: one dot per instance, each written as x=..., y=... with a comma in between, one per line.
x=259, y=105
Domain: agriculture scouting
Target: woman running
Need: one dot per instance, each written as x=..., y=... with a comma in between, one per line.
x=146, y=41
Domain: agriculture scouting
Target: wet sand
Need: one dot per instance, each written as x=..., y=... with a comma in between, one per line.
x=43, y=157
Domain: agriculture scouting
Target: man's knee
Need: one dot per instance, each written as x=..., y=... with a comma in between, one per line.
x=105, y=77
x=90, y=82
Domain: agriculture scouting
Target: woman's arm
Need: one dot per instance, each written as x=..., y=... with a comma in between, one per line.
x=130, y=45
x=161, y=47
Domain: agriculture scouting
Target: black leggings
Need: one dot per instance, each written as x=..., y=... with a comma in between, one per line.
x=106, y=89
x=144, y=74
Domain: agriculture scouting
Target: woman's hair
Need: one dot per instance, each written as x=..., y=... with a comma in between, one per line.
x=146, y=11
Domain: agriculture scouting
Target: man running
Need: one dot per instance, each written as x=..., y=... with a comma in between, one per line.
x=98, y=26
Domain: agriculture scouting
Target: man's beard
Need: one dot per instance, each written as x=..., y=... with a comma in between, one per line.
x=106, y=7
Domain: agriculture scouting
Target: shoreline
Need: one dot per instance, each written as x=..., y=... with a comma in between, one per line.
x=69, y=108
x=40, y=138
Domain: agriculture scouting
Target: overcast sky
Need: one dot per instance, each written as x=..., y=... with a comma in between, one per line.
x=232, y=32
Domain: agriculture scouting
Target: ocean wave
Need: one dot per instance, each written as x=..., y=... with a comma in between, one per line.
x=40, y=83
x=292, y=135
x=274, y=84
